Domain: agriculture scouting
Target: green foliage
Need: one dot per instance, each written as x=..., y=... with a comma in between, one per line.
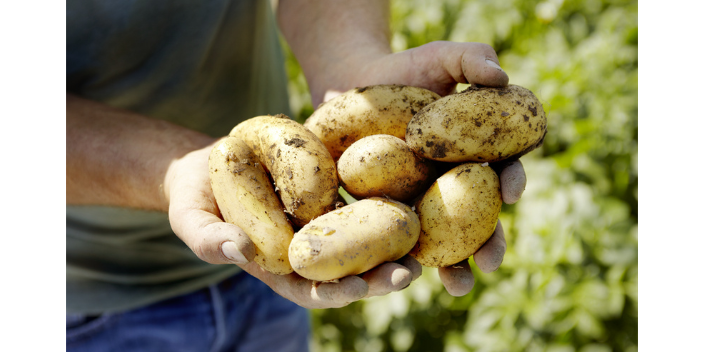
x=570, y=276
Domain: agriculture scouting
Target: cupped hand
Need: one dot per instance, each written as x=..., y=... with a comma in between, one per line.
x=382, y=280
x=196, y=220
x=440, y=66
x=437, y=66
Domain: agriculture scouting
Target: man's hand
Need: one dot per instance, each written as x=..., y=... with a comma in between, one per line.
x=195, y=218
x=116, y=157
x=343, y=45
x=382, y=280
x=439, y=66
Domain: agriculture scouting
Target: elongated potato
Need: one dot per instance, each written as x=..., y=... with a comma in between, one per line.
x=383, y=165
x=361, y=112
x=457, y=215
x=247, y=199
x=354, y=239
x=302, y=169
x=480, y=124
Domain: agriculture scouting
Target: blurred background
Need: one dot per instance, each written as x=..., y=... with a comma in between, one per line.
x=569, y=280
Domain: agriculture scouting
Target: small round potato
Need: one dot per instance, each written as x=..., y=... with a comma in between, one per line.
x=457, y=214
x=353, y=239
x=480, y=124
x=383, y=165
x=361, y=112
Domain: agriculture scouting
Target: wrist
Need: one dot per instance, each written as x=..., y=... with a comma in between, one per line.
x=334, y=40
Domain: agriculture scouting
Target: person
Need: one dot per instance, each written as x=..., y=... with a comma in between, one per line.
x=151, y=86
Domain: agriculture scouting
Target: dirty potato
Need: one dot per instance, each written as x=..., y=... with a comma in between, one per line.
x=457, y=214
x=480, y=124
x=383, y=166
x=247, y=199
x=361, y=112
x=301, y=167
x=353, y=239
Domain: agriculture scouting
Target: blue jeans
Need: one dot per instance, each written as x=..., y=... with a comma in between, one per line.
x=238, y=314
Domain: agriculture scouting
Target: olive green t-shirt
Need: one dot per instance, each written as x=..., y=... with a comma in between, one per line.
x=202, y=65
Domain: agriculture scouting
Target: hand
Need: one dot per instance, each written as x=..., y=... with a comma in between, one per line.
x=439, y=66
x=195, y=218
x=347, y=45
x=382, y=280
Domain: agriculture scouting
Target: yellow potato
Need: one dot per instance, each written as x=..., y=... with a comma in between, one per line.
x=246, y=198
x=301, y=167
x=361, y=112
x=353, y=239
x=480, y=124
x=383, y=165
x=457, y=215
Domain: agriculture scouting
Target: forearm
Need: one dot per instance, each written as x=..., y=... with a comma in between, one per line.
x=332, y=40
x=116, y=157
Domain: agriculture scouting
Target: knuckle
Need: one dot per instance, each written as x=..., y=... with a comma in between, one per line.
x=204, y=252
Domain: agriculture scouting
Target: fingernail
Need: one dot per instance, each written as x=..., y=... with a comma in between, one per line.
x=398, y=276
x=229, y=249
x=493, y=64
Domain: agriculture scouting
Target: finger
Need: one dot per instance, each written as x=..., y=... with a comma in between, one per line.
x=387, y=278
x=513, y=182
x=211, y=239
x=338, y=294
x=413, y=265
x=311, y=294
x=480, y=65
x=491, y=254
x=457, y=279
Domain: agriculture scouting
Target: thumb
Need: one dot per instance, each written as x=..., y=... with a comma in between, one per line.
x=211, y=239
x=480, y=65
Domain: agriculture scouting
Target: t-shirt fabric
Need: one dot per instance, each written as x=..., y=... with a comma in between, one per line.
x=205, y=65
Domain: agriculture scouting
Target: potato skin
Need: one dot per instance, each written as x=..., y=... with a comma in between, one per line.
x=302, y=169
x=353, y=239
x=480, y=124
x=383, y=165
x=247, y=199
x=361, y=112
x=457, y=214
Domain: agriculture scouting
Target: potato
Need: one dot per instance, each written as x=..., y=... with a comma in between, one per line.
x=353, y=239
x=247, y=199
x=457, y=215
x=361, y=112
x=383, y=165
x=480, y=124
x=301, y=167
